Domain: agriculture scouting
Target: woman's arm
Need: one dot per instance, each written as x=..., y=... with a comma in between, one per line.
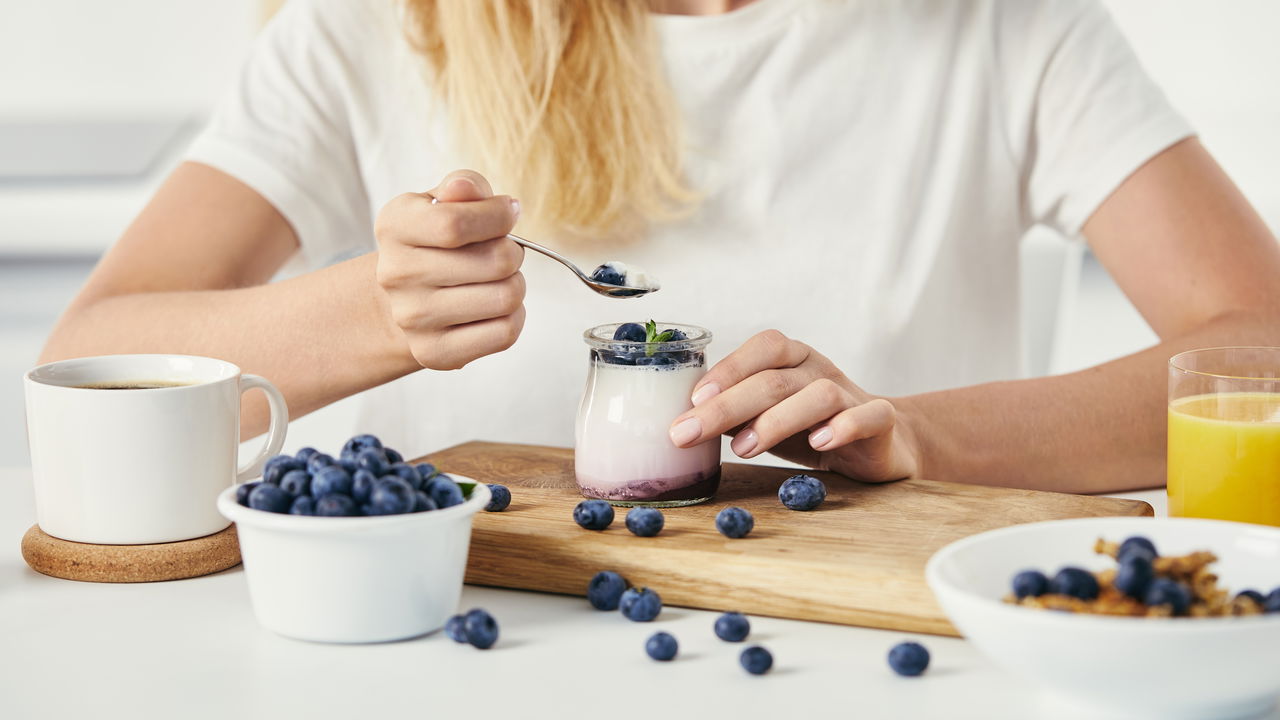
x=189, y=276
x=1181, y=241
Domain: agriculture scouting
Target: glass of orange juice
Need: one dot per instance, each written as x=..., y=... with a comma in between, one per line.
x=1224, y=434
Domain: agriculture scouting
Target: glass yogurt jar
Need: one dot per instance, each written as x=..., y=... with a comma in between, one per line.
x=635, y=389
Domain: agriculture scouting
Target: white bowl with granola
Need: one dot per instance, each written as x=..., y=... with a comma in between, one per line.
x=1190, y=666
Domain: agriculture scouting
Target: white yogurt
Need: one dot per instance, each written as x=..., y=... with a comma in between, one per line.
x=634, y=276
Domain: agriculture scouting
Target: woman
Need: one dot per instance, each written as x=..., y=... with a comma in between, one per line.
x=855, y=173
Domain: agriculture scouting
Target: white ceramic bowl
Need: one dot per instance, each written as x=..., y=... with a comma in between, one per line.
x=1166, y=668
x=355, y=579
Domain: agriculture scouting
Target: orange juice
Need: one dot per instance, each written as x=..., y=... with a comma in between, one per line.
x=1224, y=457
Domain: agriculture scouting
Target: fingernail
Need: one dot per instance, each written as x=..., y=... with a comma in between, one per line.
x=705, y=393
x=745, y=442
x=462, y=185
x=515, y=208
x=820, y=438
x=686, y=431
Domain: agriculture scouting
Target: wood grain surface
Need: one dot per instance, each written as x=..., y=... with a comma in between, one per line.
x=857, y=560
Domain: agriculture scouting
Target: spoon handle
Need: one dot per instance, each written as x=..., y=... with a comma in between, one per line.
x=549, y=253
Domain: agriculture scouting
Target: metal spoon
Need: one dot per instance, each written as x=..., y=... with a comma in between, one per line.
x=613, y=291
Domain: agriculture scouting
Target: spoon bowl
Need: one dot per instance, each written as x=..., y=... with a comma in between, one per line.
x=613, y=291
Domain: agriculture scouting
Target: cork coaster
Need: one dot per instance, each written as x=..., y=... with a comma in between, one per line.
x=130, y=563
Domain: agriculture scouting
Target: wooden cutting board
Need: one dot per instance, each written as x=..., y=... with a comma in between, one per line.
x=857, y=560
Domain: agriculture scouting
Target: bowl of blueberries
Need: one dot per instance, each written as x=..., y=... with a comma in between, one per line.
x=359, y=548
x=1151, y=617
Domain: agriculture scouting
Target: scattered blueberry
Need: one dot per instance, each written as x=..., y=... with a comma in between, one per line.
x=336, y=506
x=1272, y=603
x=277, y=466
x=1134, y=575
x=330, y=480
x=372, y=460
x=1030, y=583
x=640, y=604
x=393, y=456
x=296, y=482
x=242, y=492
x=480, y=628
x=1164, y=591
x=444, y=491
x=732, y=627
x=802, y=492
x=1139, y=544
x=608, y=275
x=455, y=630
x=499, y=498
x=390, y=496
x=631, y=332
x=270, y=498
x=661, y=646
x=909, y=659
x=407, y=473
x=734, y=522
x=422, y=502
x=318, y=462
x=645, y=521
x=1253, y=595
x=303, y=505
x=1074, y=582
x=756, y=660
x=593, y=514
x=361, y=442
x=604, y=592
x=362, y=486
x=306, y=454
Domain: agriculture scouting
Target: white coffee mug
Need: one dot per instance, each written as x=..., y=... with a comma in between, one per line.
x=135, y=466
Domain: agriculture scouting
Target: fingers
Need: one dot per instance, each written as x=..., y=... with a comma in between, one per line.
x=869, y=420
x=813, y=404
x=737, y=405
x=461, y=186
x=412, y=220
x=401, y=267
x=441, y=308
x=458, y=345
x=764, y=351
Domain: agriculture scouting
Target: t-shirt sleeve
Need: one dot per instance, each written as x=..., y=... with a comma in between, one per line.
x=1082, y=113
x=284, y=129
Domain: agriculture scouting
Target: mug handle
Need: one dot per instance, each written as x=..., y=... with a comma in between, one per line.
x=275, y=432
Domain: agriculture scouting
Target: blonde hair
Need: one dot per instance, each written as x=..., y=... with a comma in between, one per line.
x=563, y=104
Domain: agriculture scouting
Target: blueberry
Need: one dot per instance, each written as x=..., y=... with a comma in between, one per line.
x=1030, y=583
x=661, y=646
x=336, y=506
x=604, y=592
x=277, y=466
x=1074, y=582
x=1164, y=591
x=619, y=357
x=306, y=454
x=1137, y=543
x=1135, y=575
x=330, y=480
x=631, y=332
x=756, y=660
x=455, y=630
x=349, y=465
x=1253, y=595
x=361, y=442
x=372, y=460
x=593, y=514
x=362, y=486
x=802, y=492
x=499, y=498
x=657, y=359
x=608, y=275
x=676, y=335
x=444, y=491
x=732, y=627
x=303, y=505
x=1272, y=603
x=270, y=498
x=390, y=496
x=318, y=462
x=242, y=492
x=407, y=473
x=481, y=629
x=296, y=482
x=426, y=470
x=909, y=659
x=645, y=521
x=422, y=502
x=734, y=522
x=640, y=604
x=393, y=456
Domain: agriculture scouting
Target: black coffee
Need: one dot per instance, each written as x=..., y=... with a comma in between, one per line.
x=133, y=384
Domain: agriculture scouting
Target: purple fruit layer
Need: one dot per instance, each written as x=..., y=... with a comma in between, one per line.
x=686, y=487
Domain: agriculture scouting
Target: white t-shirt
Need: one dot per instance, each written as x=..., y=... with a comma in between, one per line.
x=869, y=167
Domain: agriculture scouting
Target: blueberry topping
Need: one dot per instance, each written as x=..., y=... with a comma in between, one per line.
x=393, y=456
x=802, y=492
x=454, y=629
x=444, y=491
x=593, y=514
x=732, y=627
x=303, y=505
x=372, y=460
x=318, y=462
x=361, y=442
x=734, y=522
x=306, y=454
x=480, y=628
x=330, y=480
x=1253, y=595
x=499, y=498
x=390, y=496
x=608, y=275
x=362, y=486
x=277, y=466
x=756, y=660
x=1272, y=603
x=645, y=521
x=296, y=482
x=1164, y=591
x=661, y=646
x=1138, y=544
x=336, y=506
x=1030, y=583
x=270, y=498
x=657, y=359
x=1135, y=575
x=640, y=604
x=909, y=659
x=676, y=335
x=631, y=332
x=604, y=592
x=242, y=492
x=422, y=502
x=1075, y=583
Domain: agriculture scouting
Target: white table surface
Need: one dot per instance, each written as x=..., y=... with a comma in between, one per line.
x=192, y=649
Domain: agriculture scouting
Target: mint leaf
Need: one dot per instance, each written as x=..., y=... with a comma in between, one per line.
x=650, y=330
x=664, y=336
x=466, y=488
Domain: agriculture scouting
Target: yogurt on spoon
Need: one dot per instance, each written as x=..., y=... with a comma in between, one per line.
x=616, y=272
